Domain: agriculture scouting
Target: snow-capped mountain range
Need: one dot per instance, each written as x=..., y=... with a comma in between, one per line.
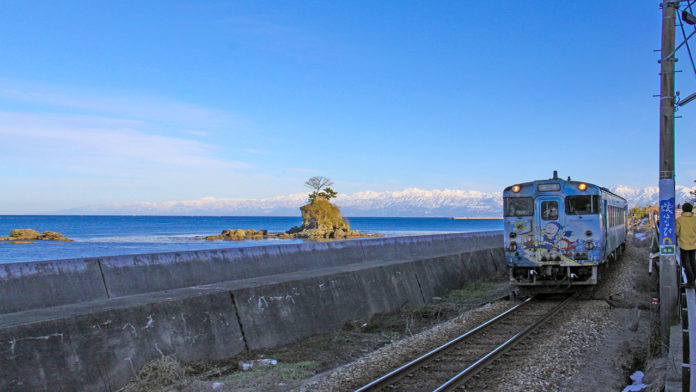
x=412, y=202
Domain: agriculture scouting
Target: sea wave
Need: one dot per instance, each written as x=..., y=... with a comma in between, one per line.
x=181, y=238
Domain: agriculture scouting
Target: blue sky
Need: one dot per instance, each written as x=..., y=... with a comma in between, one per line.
x=121, y=101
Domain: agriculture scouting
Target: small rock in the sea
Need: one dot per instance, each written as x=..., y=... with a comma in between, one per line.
x=28, y=234
x=18, y=236
x=239, y=235
x=53, y=236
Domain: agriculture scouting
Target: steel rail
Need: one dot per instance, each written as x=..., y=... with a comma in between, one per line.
x=402, y=371
x=479, y=365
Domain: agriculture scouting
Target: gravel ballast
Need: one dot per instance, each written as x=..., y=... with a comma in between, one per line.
x=592, y=345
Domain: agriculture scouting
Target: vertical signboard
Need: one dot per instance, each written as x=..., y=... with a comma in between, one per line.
x=668, y=240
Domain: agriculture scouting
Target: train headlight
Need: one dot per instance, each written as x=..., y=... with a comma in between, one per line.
x=589, y=245
x=516, y=188
x=582, y=186
x=588, y=233
x=513, y=235
x=513, y=246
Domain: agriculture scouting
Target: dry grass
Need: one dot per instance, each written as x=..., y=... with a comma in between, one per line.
x=163, y=374
x=282, y=371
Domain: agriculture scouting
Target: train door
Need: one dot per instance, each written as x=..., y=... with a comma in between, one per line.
x=549, y=223
x=605, y=229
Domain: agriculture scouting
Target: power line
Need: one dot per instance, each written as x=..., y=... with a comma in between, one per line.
x=686, y=42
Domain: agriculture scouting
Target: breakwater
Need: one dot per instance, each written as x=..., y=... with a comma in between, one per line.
x=94, y=322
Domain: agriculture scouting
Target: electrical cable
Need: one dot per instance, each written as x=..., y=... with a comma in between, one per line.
x=684, y=33
x=688, y=49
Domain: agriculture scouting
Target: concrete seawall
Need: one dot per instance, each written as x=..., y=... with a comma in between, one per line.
x=117, y=313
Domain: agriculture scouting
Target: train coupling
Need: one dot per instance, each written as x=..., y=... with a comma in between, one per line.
x=553, y=275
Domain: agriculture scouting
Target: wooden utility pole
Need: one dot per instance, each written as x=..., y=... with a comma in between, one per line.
x=669, y=273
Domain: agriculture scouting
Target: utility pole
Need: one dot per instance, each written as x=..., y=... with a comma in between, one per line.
x=669, y=273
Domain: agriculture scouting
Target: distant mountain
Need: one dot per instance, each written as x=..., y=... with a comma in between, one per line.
x=408, y=202
x=649, y=195
x=419, y=202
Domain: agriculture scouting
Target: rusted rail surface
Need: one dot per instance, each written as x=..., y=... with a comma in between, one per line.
x=453, y=363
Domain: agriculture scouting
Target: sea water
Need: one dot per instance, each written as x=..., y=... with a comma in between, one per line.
x=96, y=236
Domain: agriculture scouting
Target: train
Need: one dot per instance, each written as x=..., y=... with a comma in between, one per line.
x=559, y=232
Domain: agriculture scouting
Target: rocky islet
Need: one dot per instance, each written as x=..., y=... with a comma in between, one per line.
x=24, y=235
x=321, y=220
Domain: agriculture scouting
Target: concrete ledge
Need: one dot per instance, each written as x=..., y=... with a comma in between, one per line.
x=49, y=283
x=32, y=285
x=127, y=275
x=282, y=312
x=98, y=346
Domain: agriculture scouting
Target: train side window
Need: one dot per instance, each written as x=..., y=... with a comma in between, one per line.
x=616, y=216
x=582, y=205
x=611, y=216
x=549, y=210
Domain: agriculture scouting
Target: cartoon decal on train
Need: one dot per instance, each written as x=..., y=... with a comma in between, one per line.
x=558, y=231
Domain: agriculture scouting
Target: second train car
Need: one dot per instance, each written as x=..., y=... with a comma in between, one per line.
x=558, y=232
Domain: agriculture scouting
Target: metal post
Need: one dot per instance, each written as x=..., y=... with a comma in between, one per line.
x=668, y=262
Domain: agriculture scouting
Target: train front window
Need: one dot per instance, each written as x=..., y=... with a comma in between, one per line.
x=582, y=205
x=549, y=210
x=519, y=206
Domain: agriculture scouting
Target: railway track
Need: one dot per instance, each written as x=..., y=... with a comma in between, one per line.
x=452, y=364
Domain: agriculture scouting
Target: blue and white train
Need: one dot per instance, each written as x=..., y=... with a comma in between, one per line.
x=558, y=232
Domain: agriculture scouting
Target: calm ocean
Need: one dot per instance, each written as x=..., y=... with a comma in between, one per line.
x=118, y=235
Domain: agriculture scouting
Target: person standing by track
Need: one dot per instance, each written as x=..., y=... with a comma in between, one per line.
x=686, y=239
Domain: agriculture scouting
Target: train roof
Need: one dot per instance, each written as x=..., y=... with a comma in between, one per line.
x=562, y=181
x=611, y=193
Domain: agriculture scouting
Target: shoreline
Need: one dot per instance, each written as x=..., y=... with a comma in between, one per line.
x=4, y=216
x=102, y=236
x=55, y=251
x=476, y=217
